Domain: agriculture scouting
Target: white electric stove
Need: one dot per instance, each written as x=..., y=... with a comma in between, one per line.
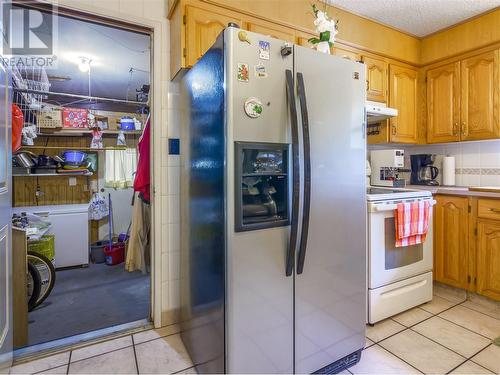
x=399, y=278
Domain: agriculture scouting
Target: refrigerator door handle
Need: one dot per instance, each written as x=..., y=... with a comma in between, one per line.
x=290, y=255
x=307, y=172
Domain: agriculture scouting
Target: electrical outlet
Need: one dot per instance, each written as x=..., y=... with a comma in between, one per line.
x=72, y=181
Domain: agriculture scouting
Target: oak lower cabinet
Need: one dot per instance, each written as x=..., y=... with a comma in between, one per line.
x=488, y=259
x=451, y=218
x=403, y=97
x=443, y=104
x=376, y=79
x=202, y=29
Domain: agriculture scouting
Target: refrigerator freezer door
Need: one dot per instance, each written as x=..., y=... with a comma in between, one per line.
x=259, y=295
x=330, y=293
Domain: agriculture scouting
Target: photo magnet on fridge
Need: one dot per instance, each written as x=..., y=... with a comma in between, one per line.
x=260, y=71
x=264, y=50
x=243, y=73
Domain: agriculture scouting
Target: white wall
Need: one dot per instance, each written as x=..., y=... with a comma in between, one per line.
x=476, y=163
x=153, y=13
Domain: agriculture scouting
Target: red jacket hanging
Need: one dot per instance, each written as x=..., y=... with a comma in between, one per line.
x=17, y=127
x=142, y=179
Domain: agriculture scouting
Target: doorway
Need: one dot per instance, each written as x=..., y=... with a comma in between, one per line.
x=73, y=197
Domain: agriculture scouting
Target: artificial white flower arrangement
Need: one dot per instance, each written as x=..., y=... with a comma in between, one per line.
x=326, y=28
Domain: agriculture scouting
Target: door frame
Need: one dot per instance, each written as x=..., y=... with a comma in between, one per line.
x=102, y=15
x=158, y=95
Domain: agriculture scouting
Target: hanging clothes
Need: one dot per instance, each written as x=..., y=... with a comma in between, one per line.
x=17, y=127
x=142, y=180
x=120, y=166
x=139, y=243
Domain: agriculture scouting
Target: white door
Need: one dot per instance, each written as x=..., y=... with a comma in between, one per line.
x=5, y=234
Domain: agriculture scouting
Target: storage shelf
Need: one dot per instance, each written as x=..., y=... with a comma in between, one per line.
x=79, y=133
x=122, y=148
x=52, y=174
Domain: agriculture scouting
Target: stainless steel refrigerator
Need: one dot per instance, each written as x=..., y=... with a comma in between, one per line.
x=273, y=209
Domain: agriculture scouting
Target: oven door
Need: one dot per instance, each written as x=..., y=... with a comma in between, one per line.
x=386, y=262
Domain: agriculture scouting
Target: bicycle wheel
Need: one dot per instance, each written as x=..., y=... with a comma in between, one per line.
x=34, y=284
x=47, y=274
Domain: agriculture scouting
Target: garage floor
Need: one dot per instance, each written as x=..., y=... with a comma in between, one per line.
x=87, y=299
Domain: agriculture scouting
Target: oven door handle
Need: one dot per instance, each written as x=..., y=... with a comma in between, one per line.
x=391, y=207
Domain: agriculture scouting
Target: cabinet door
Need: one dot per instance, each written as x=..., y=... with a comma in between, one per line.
x=376, y=79
x=403, y=97
x=202, y=29
x=302, y=39
x=274, y=31
x=451, y=240
x=480, y=96
x=443, y=104
x=346, y=54
x=488, y=259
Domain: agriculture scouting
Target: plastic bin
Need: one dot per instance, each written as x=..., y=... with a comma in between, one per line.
x=115, y=254
x=97, y=252
x=44, y=246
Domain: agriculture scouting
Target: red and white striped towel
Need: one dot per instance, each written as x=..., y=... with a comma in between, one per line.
x=412, y=222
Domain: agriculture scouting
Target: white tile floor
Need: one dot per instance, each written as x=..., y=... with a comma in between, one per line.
x=447, y=335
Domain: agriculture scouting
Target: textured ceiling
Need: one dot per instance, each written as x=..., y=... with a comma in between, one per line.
x=417, y=17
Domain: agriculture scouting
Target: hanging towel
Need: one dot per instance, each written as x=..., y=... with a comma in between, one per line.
x=120, y=166
x=412, y=222
x=139, y=243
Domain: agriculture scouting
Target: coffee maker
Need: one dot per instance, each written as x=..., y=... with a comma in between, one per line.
x=423, y=172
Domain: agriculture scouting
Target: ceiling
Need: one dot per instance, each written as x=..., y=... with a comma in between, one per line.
x=120, y=60
x=416, y=17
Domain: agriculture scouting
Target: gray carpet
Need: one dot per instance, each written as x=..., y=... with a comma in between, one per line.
x=87, y=299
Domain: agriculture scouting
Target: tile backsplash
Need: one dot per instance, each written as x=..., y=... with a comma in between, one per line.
x=476, y=163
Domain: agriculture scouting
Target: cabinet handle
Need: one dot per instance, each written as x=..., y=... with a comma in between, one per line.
x=455, y=129
x=464, y=129
x=393, y=128
x=494, y=210
x=367, y=85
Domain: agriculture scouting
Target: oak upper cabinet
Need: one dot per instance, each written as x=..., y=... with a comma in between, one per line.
x=403, y=97
x=376, y=79
x=480, y=81
x=443, y=104
x=345, y=53
x=272, y=30
x=202, y=29
x=451, y=240
x=302, y=38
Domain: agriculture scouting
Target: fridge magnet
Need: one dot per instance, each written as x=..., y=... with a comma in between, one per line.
x=260, y=71
x=253, y=107
x=243, y=73
x=243, y=36
x=264, y=50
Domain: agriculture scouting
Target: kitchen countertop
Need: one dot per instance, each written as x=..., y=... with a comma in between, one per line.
x=454, y=190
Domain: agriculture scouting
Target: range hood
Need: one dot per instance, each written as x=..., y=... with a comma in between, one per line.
x=377, y=112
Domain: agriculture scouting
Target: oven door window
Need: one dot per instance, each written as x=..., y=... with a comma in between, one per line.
x=396, y=257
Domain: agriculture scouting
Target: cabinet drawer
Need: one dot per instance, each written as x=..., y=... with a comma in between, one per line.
x=488, y=209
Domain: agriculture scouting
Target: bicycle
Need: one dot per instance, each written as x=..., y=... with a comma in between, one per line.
x=41, y=279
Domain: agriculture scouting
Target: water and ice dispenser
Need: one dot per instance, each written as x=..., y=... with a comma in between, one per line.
x=262, y=185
